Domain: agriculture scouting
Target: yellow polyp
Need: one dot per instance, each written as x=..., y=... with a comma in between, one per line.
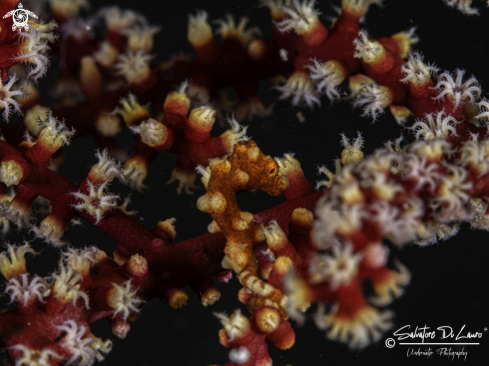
x=176, y=102
x=100, y=255
x=357, y=8
x=391, y=286
x=283, y=264
x=108, y=125
x=136, y=171
x=31, y=119
x=177, y=299
x=229, y=30
x=199, y=31
x=351, y=194
x=210, y=296
x=91, y=79
x=11, y=173
x=404, y=41
x=31, y=96
x=356, y=82
x=12, y=262
x=302, y=216
x=376, y=56
x=106, y=55
x=67, y=9
x=351, y=156
x=169, y=227
x=137, y=265
x=203, y=117
x=268, y=320
x=119, y=259
x=221, y=165
x=400, y=113
x=289, y=165
x=131, y=111
x=236, y=325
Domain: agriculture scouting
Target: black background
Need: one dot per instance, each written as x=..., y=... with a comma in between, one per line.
x=449, y=279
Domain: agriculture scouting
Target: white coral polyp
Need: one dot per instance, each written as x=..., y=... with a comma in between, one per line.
x=359, y=7
x=135, y=172
x=152, y=132
x=483, y=115
x=288, y=164
x=399, y=225
x=475, y=154
x=452, y=194
x=16, y=213
x=462, y=6
x=11, y=173
x=199, y=31
x=77, y=341
x=301, y=89
x=25, y=290
x=235, y=325
x=34, y=357
x=418, y=169
x=185, y=180
x=133, y=66
x=35, y=50
x=301, y=17
x=369, y=51
x=456, y=89
x=67, y=285
x=7, y=98
x=229, y=29
x=118, y=20
x=77, y=28
x=68, y=8
x=363, y=328
x=327, y=76
x=80, y=259
x=235, y=134
x=55, y=133
x=439, y=127
x=51, y=231
x=107, y=168
x=140, y=37
x=373, y=98
x=352, y=152
x=274, y=234
x=339, y=269
x=12, y=261
x=97, y=202
x=416, y=71
x=276, y=7
x=205, y=172
x=331, y=221
x=106, y=55
x=123, y=300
